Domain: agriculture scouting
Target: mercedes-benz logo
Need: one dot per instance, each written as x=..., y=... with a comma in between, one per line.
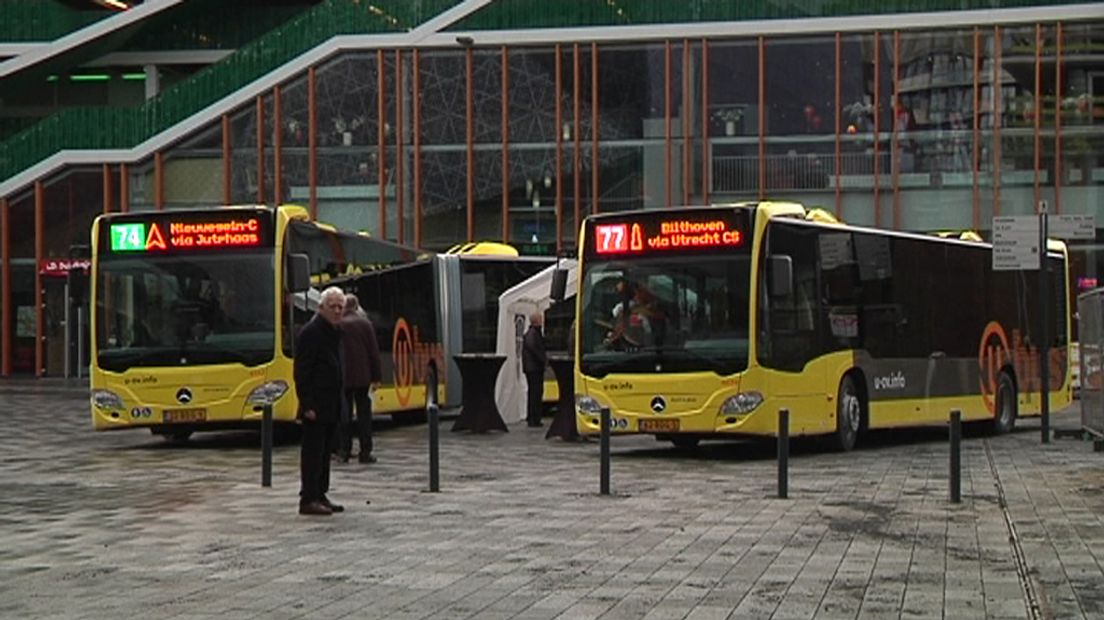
x=183, y=396
x=658, y=404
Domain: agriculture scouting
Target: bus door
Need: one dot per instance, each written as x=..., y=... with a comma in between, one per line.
x=792, y=331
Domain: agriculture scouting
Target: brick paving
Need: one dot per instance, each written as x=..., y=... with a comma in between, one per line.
x=109, y=525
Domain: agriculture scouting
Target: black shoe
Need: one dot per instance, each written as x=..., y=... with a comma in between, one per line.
x=325, y=501
x=366, y=458
x=314, y=508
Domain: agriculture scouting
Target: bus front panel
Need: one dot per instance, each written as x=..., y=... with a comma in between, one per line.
x=185, y=319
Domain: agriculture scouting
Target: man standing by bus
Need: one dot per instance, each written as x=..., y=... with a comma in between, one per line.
x=533, y=361
x=318, y=385
x=362, y=375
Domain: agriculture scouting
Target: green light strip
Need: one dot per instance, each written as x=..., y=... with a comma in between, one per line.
x=90, y=77
x=134, y=76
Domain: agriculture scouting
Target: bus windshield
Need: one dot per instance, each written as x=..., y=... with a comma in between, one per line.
x=666, y=314
x=185, y=310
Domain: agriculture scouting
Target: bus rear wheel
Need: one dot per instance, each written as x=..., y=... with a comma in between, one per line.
x=1004, y=418
x=848, y=415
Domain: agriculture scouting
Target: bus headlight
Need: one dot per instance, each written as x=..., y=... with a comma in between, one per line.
x=587, y=404
x=741, y=404
x=106, y=399
x=267, y=393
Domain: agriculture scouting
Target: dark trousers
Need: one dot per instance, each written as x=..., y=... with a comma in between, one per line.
x=535, y=404
x=360, y=401
x=314, y=461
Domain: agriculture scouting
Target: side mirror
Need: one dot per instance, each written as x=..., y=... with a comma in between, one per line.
x=298, y=273
x=781, y=275
x=559, y=285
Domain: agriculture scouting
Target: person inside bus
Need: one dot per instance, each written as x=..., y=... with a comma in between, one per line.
x=210, y=306
x=319, y=384
x=642, y=325
x=363, y=373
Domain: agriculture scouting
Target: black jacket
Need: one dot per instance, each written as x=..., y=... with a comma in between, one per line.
x=319, y=376
x=533, y=358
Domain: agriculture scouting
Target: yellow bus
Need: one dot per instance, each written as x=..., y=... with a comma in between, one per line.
x=699, y=323
x=194, y=312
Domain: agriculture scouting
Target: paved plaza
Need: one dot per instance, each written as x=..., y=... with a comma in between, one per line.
x=125, y=525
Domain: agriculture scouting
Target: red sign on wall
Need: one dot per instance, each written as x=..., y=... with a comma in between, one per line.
x=59, y=267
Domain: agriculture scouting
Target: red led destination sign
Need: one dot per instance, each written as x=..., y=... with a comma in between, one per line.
x=165, y=235
x=665, y=235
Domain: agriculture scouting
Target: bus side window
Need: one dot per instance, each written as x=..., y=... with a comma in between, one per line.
x=840, y=290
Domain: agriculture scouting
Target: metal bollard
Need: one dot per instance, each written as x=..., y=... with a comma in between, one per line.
x=956, y=457
x=604, y=474
x=434, y=460
x=783, y=453
x=266, y=446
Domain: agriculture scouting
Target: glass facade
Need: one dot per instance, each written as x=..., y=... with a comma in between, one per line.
x=919, y=130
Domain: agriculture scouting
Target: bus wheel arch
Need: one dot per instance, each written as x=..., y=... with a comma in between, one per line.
x=851, y=411
x=1005, y=402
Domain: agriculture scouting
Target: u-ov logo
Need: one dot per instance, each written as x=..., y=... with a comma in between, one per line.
x=402, y=351
x=993, y=352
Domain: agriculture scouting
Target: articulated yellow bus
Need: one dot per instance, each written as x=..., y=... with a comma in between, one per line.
x=427, y=311
x=195, y=312
x=698, y=323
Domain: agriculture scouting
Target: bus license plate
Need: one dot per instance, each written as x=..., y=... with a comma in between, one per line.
x=175, y=416
x=666, y=425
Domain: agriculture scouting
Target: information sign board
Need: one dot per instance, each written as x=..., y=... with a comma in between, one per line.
x=1015, y=242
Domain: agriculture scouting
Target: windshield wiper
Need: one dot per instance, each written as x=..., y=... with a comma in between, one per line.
x=121, y=359
x=715, y=365
x=230, y=355
x=623, y=359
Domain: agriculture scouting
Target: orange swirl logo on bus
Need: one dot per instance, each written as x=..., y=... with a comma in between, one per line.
x=411, y=358
x=993, y=353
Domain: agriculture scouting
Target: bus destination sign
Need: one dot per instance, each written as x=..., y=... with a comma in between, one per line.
x=643, y=237
x=177, y=234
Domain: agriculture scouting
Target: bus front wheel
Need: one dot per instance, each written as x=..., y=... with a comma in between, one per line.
x=1004, y=419
x=848, y=415
x=176, y=437
x=684, y=443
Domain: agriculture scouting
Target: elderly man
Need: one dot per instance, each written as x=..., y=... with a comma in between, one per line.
x=319, y=380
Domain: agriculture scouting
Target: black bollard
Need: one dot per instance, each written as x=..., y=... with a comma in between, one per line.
x=434, y=461
x=604, y=474
x=783, y=453
x=266, y=446
x=956, y=456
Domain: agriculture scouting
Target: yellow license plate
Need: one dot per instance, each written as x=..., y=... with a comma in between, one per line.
x=176, y=416
x=666, y=425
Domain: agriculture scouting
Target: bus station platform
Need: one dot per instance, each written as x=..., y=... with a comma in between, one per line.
x=104, y=525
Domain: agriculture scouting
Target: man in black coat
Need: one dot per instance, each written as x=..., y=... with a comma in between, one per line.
x=533, y=361
x=319, y=379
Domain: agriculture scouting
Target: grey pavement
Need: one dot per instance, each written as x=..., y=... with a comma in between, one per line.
x=118, y=525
